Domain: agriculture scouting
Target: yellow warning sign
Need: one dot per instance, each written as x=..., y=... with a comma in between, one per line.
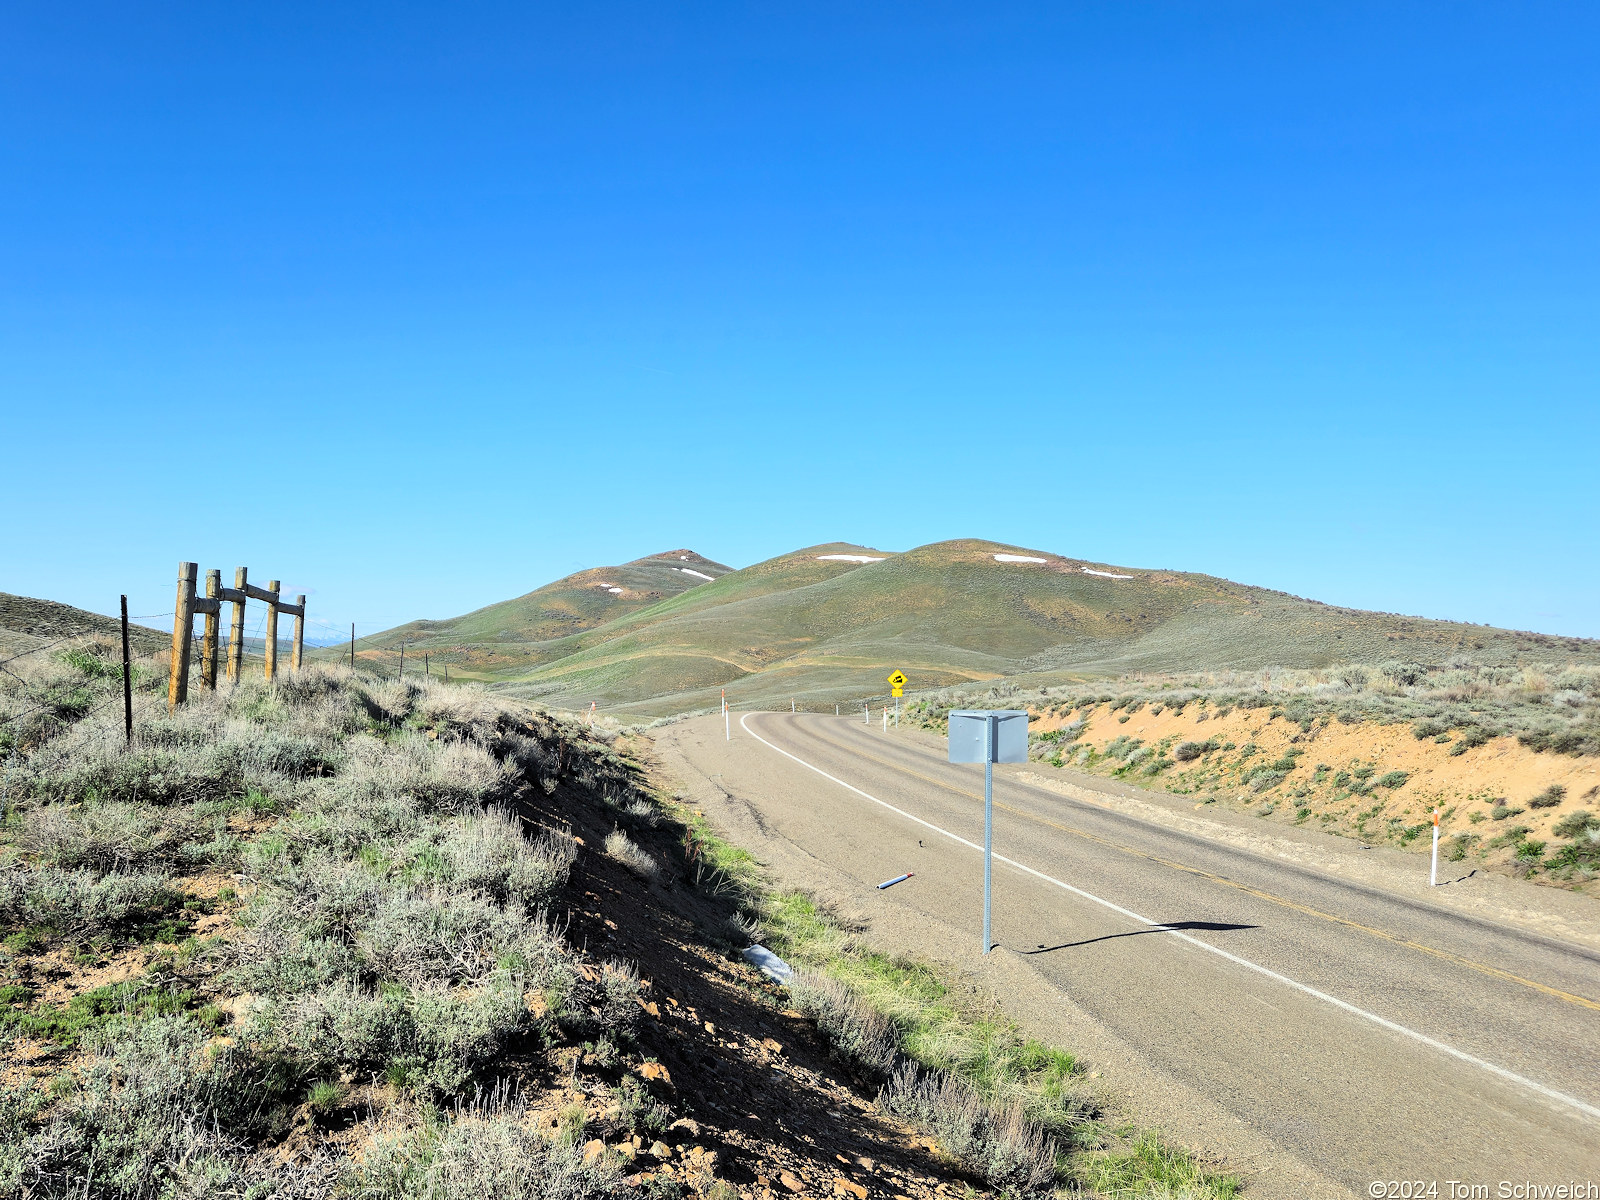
x=898, y=692
x=898, y=680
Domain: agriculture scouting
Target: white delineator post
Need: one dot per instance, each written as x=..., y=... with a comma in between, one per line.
x=1433, y=877
x=866, y=714
x=886, y=718
x=727, y=729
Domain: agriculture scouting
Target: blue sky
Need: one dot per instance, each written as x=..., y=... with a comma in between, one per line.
x=417, y=308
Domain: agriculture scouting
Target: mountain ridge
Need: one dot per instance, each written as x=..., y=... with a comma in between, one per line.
x=824, y=624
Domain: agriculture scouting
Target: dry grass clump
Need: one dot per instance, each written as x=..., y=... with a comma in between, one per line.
x=430, y=1039
x=57, y=901
x=617, y=999
x=623, y=848
x=1001, y=1145
x=115, y=836
x=439, y=776
x=160, y=1113
x=484, y=1152
x=865, y=1037
x=490, y=853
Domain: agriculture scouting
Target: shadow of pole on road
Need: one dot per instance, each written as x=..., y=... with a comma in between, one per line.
x=1167, y=927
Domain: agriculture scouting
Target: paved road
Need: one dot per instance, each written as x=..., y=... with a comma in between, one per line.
x=1370, y=1036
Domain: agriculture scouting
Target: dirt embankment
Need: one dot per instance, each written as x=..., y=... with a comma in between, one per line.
x=758, y=1102
x=1504, y=805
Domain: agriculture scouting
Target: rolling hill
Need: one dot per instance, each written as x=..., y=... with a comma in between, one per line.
x=514, y=634
x=824, y=625
x=29, y=624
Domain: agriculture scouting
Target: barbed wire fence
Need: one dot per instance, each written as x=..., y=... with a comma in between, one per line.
x=446, y=659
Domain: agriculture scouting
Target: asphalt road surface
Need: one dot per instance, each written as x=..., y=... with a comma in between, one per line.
x=1371, y=1036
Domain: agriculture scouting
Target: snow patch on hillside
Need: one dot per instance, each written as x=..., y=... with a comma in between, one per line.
x=1104, y=574
x=857, y=558
x=1018, y=558
x=700, y=574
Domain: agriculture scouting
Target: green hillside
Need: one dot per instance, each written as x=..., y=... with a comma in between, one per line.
x=818, y=628
x=515, y=634
x=795, y=628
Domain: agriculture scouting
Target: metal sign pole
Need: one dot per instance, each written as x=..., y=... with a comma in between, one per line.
x=988, y=824
x=988, y=736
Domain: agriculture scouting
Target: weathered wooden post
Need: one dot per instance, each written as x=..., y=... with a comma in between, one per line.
x=272, y=628
x=299, y=633
x=182, y=636
x=241, y=593
x=213, y=611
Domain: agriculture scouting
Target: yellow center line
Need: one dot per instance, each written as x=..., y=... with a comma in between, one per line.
x=1396, y=939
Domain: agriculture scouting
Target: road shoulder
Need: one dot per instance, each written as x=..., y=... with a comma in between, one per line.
x=1134, y=1086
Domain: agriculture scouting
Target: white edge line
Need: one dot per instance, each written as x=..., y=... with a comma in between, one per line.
x=1392, y=1026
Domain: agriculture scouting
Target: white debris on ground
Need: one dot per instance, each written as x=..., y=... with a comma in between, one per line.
x=1018, y=558
x=861, y=558
x=701, y=574
x=615, y=591
x=768, y=963
x=1104, y=574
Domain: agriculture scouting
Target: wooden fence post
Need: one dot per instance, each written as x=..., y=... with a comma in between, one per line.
x=182, y=636
x=272, y=630
x=208, y=652
x=299, y=633
x=241, y=578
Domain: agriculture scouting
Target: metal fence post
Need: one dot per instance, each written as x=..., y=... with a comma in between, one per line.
x=127, y=679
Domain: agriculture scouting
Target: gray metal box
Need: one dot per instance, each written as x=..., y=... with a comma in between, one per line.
x=968, y=731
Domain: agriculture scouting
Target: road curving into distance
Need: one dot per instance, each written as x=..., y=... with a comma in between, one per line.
x=1369, y=1036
